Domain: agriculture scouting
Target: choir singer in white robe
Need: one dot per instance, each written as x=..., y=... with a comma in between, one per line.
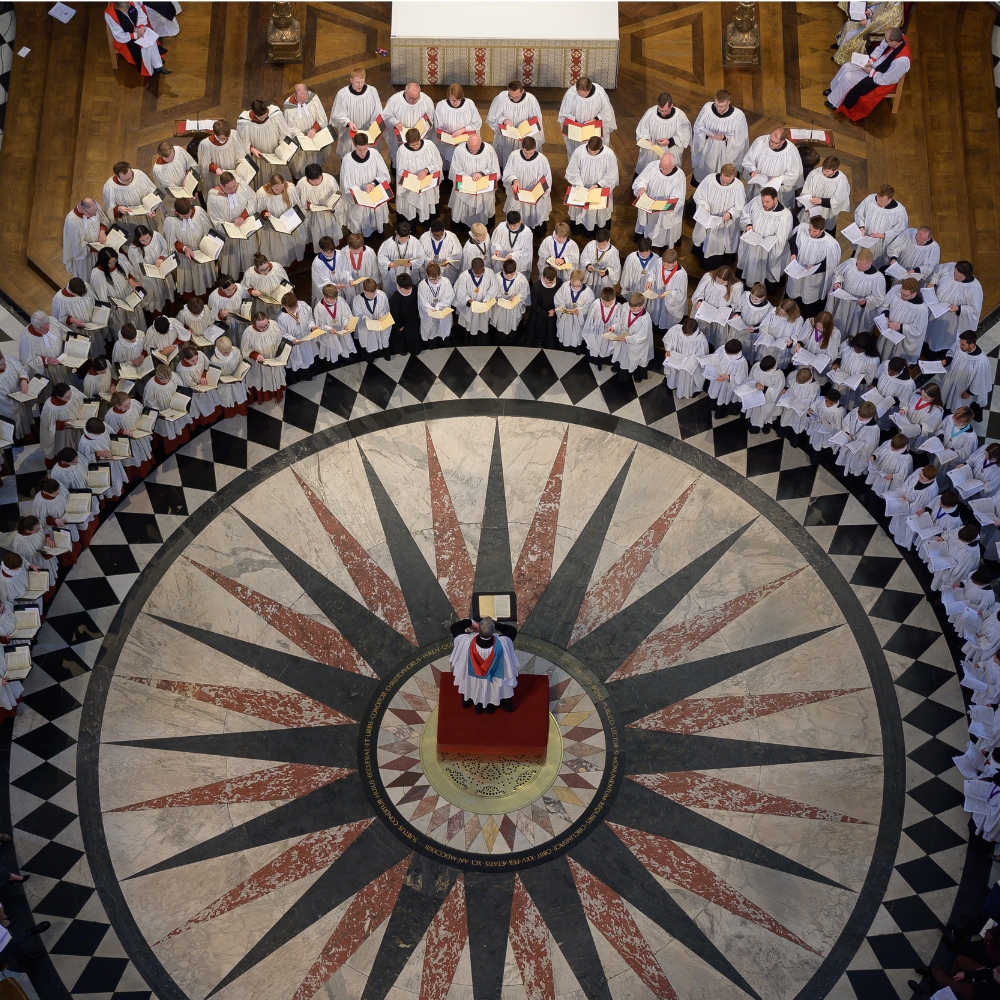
x=304, y=115
x=723, y=196
x=364, y=168
x=719, y=136
x=355, y=107
x=124, y=191
x=218, y=152
x=474, y=159
x=908, y=315
x=232, y=201
x=183, y=231
x=772, y=161
x=917, y=251
x=85, y=224
x=812, y=245
x=662, y=181
x=593, y=166
x=262, y=128
x=664, y=126
x=170, y=169
x=513, y=107
x=765, y=216
x=863, y=291
x=883, y=218
x=457, y=116
x=524, y=169
x=828, y=192
x=956, y=286
x=402, y=111
x=421, y=159
x=586, y=101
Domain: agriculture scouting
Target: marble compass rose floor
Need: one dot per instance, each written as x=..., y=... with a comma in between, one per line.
x=239, y=683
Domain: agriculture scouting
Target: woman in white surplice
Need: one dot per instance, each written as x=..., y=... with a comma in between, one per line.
x=484, y=664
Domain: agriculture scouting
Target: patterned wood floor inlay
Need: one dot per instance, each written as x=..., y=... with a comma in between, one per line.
x=271, y=806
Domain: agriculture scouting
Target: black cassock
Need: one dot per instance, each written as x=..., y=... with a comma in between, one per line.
x=404, y=338
x=539, y=326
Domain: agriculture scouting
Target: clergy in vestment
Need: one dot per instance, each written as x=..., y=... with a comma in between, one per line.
x=583, y=102
x=402, y=111
x=916, y=251
x=853, y=36
x=722, y=196
x=434, y=293
x=812, y=246
x=400, y=254
x=719, y=136
x=53, y=425
x=955, y=284
x=475, y=159
x=883, y=218
x=765, y=216
x=456, y=116
x=662, y=181
x=663, y=126
x=863, y=290
x=513, y=107
x=332, y=313
x=443, y=248
x=524, y=169
x=316, y=191
x=261, y=340
x=907, y=314
x=484, y=664
x=133, y=38
x=170, y=168
x=364, y=169
x=968, y=377
x=262, y=128
x=773, y=161
x=218, y=152
x=421, y=159
x=856, y=90
x=511, y=241
x=234, y=202
x=829, y=193
x=86, y=223
x=304, y=115
x=355, y=107
x=593, y=166
x=477, y=245
x=124, y=191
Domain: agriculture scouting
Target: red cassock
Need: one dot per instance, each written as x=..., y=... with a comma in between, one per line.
x=866, y=103
x=130, y=51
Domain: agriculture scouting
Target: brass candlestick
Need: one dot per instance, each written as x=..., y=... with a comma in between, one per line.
x=284, y=35
x=741, y=40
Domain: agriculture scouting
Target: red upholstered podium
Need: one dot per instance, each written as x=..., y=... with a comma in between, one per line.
x=521, y=733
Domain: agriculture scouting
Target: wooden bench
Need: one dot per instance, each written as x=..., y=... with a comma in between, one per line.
x=111, y=47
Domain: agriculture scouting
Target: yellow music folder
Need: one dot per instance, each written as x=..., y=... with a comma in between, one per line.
x=380, y=324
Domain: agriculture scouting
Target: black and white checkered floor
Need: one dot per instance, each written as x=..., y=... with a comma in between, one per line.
x=87, y=959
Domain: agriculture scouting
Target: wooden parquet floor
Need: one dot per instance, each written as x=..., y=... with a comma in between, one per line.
x=70, y=117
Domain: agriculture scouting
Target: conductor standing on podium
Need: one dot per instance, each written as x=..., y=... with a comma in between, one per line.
x=484, y=664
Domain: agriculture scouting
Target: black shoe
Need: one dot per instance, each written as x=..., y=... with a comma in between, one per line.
x=827, y=93
x=924, y=970
x=829, y=105
x=39, y=928
x=917, y=988
x=162, y=71
x=507, y=704
x=834, y=47
x=479, y=710
x=490, y=709
x=752, y=430
x=467, y=703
